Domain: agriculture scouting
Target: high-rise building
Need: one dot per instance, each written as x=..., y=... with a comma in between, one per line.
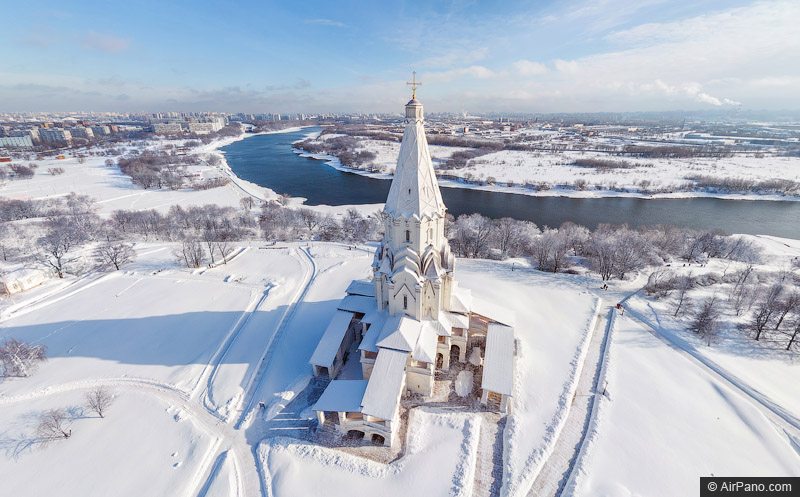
x=55, y=136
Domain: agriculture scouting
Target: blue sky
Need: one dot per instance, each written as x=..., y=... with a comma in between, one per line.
x=534, y=56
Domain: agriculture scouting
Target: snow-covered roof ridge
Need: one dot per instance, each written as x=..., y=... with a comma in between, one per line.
x=498, y=362
x=325, y=353
x=342, y=396
x=385, y=385
x=415, y=192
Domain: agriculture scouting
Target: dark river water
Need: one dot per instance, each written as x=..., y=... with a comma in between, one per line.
x=268, y=160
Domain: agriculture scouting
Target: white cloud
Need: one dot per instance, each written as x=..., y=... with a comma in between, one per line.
x=530, y=68
x=454, y=57
x=475, y=71
x=326, y=22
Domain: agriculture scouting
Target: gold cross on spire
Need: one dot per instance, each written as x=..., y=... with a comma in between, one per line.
x=413, y=84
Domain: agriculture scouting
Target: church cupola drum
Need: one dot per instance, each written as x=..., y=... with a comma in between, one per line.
x=413, y=267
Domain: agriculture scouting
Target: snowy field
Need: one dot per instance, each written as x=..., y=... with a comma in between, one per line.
x=189, y=354
x=659, y=176
x=667, y=421
x=145, y=441
x=113, y=190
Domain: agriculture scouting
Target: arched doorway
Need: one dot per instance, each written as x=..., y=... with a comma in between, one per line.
x=439, y=360
x=455, y=353
x=355, y=435
x=378, y=439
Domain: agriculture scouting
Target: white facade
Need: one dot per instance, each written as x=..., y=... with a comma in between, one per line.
x=22, y=279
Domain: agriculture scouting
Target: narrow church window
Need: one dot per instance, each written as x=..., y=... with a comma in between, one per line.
x=405, y=302
x=408, y=236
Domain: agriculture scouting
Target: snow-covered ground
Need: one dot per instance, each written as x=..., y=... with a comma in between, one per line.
x=113, y=190
x=145, y=444
x=510, y=170
x=190, y=353
x=439, y=460
x=667, y=421
x=553, y=321
x=657, y=177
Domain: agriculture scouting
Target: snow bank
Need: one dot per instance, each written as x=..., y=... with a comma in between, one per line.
x=438, y=444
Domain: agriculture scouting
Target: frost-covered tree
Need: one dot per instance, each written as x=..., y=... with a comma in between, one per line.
x=18, y=358
x=472, y=234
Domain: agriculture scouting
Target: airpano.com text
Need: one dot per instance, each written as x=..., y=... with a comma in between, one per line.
x=749, y=487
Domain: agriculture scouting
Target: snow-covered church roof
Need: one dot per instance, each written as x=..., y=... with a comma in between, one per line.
x=414, y=191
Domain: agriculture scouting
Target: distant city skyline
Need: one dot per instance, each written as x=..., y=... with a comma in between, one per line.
x=527, y=57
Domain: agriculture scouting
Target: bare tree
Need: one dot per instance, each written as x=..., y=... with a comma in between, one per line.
x=114, y=254
x=787, y=304
x=224, y=243
x=247, y=202
x=19, y=358
x=53, y=426
x=683, y=284
x=795, y=333
x=660, y=283
x=706, y=320
x=311, y=220
x=766, y=310
x=742, y=290
x=99, y=400
x=192, y=253
x=56, y=246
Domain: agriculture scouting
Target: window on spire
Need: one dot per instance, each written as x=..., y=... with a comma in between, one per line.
x=405, y=302
x=408, y=236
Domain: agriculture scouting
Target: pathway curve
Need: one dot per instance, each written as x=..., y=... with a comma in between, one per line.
x=228, y=436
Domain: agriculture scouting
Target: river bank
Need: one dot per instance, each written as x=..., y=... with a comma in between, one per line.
x=272, y=162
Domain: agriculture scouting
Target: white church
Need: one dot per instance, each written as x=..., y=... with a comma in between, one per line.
x=412, y=319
